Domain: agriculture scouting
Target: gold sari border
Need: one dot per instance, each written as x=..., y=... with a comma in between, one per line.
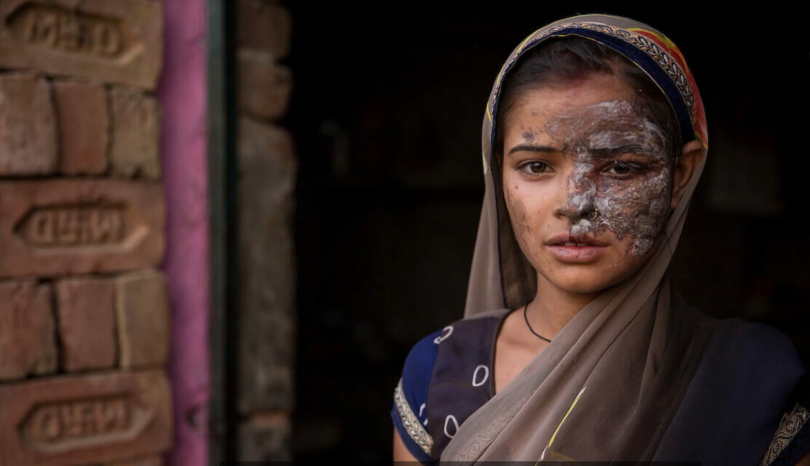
x=411, y=421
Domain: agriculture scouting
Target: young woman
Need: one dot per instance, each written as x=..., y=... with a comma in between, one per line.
x=573, y=346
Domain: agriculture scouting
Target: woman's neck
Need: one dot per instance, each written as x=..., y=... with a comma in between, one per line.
x=553, y=307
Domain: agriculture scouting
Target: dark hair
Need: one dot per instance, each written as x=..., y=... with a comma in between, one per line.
x=572, y=57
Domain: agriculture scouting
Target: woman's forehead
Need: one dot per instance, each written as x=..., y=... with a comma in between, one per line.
x=603, y=102
x=598, y=126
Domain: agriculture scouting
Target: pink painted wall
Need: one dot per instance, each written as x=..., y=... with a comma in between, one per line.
x=182, y=93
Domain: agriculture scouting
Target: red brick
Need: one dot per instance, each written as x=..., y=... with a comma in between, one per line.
x=81, y=110
x=86, y=309
x=89, y=419
x=27, y=334
x=59, y=227
x=142, y=313
x=264, y=86
x=27, y=126
x=109, y=40
x=263, y=26
x=135, y=149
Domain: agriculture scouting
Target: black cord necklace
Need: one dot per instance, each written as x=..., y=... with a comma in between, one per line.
x=526, y=318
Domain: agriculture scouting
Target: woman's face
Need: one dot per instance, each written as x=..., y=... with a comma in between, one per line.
x=587, y=181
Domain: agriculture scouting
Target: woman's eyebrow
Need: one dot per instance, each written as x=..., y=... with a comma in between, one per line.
x=618, y=150
x=532, y=148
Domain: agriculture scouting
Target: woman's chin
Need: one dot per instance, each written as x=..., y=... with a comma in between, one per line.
x=586, y=280
x=580, y=288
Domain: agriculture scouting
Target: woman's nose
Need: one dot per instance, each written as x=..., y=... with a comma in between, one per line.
x=579, y=198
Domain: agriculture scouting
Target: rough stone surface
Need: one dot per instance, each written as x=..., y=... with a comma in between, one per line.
x=264, y=86
x=27, y=126
x=88, y=419
x=263, y=26
x=135, y=149
x=110, y=40
x=27, y=333
x=81, y=110
x=267, y=170
x=142, y=312
x=58, y=227
x=265, y=438
x=86, y=309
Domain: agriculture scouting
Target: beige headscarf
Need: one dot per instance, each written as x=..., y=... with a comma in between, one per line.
x=612, y=385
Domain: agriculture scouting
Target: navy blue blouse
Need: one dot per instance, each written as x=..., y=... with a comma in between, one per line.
x=437, y=394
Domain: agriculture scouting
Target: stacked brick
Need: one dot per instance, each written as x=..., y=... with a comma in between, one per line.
x=84, y=310
x=267, y=171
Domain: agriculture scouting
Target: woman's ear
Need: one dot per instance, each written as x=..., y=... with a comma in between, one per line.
x=685, y=166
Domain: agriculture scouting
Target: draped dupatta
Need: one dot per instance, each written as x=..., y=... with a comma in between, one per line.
x=637, y=374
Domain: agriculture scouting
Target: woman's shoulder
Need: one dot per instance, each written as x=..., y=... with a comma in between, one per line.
x=756, y=360
x=410, y=398
x=757, y=344
x=774, y=367
x=419, y=362
x=754, y=333
x=410, y=413
x=791, y=441
x=762, y=370
x=463, y=333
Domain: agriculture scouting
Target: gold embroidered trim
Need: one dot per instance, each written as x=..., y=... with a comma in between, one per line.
x=790, y=425
x=411, y=422
x=664, y=60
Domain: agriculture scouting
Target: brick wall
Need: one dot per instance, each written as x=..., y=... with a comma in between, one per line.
x=266, y=180
x=84, y=310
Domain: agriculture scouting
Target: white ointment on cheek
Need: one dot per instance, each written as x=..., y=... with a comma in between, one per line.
x=636, y=207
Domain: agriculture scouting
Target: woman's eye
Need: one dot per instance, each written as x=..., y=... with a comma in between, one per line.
x=535, y=168
x=623, y=168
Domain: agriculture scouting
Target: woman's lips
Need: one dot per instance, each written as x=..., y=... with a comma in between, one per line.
x=571, y=249
x=576, y=254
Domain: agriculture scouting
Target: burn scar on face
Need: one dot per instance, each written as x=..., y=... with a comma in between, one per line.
x=529, y=135
x=620, y=169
